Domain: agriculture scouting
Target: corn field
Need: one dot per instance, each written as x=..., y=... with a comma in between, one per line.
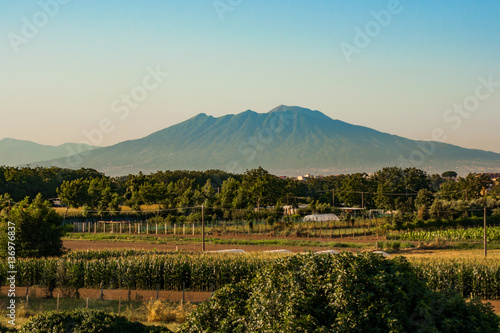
x=470, y=234
x=474, y=278
x=145, y=270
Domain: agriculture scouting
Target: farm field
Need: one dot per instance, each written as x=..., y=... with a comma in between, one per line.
x=190, y=245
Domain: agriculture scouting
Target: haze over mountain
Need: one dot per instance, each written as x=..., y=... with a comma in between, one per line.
x=18, y=152
x=286, y=140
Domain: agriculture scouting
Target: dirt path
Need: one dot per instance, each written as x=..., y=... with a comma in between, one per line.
x=100, y=245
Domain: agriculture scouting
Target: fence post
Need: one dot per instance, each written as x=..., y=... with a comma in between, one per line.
x=183, y=294
x=102, y=292
x=158, y=291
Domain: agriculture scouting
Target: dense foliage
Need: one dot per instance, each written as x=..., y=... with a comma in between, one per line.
x=85, y=321
x=343, y=293
x=28, y=182
x=35, y=229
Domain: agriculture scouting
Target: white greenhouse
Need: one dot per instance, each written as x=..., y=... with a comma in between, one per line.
x=321, y=218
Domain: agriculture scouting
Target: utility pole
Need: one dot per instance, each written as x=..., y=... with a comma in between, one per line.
x=203, y=227
x=333, y=198
x=363, y=200
x=484, y=235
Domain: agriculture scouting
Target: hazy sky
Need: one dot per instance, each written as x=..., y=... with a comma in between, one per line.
x=70, y=67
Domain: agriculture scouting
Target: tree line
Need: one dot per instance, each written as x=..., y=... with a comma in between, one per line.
x=389, y=189
x=412, y=194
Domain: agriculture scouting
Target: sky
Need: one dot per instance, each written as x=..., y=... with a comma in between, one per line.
x=107, y=71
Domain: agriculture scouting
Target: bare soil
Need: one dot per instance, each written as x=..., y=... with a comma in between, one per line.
x=101, y=245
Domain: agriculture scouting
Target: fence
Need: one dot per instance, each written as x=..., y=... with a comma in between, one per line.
x=294, y=228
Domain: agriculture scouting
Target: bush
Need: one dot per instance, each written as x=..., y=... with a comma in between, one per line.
x=85, y=321
x=341, y=293
x=270, y=220
x=4, y=329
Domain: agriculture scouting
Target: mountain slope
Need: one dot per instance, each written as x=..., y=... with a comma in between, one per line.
x=287, y=140
x=18, y=152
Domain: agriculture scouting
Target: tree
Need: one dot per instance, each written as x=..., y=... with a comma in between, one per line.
x=352, y=187
x=424, y=198
x=261, y=186
x=208, y=193
x=38, y=229
x=449, y=174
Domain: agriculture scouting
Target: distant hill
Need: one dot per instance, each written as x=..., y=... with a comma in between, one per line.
x=21, y=152
x=286, y=140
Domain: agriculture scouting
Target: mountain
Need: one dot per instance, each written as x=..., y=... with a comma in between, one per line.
x=21, y=152
x=286, y=140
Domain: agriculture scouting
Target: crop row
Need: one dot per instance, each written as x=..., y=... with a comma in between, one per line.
x=204, y=272
x=471, y=278
x=471, y=234
x=146, y=272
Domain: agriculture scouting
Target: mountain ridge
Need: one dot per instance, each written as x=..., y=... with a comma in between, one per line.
x=15, y=152
x=286, y=140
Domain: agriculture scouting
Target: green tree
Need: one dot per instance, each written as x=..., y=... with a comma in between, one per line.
x=261, y=186
x=228, y=193
x=38, y=229
x=208, y=193
x=449, y=174
x=424, y=198
x=354, y=190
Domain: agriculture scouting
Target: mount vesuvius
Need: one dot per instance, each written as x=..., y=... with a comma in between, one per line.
x=286, y=140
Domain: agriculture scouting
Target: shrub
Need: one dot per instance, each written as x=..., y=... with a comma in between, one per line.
x=270, y=220
x=4, y=329
x=88, y=321
x=341, y=293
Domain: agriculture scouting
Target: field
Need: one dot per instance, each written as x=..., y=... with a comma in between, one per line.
x=430, y=258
